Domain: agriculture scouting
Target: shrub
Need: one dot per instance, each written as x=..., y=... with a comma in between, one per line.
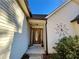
x=68, y=48
x=54, y=56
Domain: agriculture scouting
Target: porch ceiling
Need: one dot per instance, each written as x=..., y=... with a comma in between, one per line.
x=37, y=23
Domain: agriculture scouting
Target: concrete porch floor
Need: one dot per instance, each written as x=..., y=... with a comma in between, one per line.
x=35, y=49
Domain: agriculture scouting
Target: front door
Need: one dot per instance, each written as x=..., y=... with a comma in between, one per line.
x=36, y=36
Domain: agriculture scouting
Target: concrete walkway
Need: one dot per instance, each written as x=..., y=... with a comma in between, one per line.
x=35, y=52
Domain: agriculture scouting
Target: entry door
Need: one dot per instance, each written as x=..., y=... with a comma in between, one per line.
x=36, y=36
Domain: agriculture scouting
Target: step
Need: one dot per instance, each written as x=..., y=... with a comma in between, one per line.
x=36, y=56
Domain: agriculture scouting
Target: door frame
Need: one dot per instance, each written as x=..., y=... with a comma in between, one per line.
x=32, y=38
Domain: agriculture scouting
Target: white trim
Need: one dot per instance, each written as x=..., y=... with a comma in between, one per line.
x=58, y=9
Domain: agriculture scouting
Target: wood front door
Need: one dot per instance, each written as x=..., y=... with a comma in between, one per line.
x=36, y=36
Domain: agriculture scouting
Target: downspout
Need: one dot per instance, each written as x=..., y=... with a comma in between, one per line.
x=46, y=38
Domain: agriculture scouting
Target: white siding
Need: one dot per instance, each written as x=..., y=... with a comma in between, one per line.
x=11, y=19
x=63, y=16
x=11, y=15
x=6, y=38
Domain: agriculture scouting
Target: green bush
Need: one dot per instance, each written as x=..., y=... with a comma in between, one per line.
x=68, y=48
x=54, y=56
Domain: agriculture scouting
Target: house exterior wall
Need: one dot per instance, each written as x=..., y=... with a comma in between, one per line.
x=11, y=15
x=11, y=20
x=21, y=42
x=61, y=20
x=6, y=38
